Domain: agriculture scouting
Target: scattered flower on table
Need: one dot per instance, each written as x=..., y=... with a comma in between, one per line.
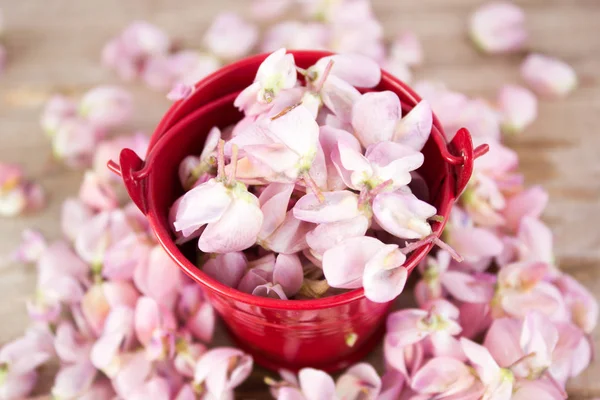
x=498, y=27
x=18, y=195
x=548, y=76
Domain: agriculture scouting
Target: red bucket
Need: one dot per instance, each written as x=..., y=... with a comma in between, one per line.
x=328, y=333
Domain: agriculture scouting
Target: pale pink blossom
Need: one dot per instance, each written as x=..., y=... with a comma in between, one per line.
x=498, y=27
x=230, y=37
x=403, y=214
x=518, y=108
x=75, y=141
x=530, y=202
x=57, y=110
x=196, y=311
x=269, y=9
x=97, y=194
x=100, y=299
x=180, y=92
x=295, y=35
x=581, y=303
x=17, y=194
x=548, y=76
x=106, y=106
x=158, y=277
x=221, y=370
x=276, y=73
x=407, y=48
x=32, y=246
x=442, y=376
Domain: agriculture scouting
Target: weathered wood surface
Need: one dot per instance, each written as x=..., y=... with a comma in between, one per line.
x=54, y=45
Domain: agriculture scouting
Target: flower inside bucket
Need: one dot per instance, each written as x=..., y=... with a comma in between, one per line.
x=264, y=324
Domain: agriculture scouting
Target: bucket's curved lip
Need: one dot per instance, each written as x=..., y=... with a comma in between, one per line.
x=164, y=236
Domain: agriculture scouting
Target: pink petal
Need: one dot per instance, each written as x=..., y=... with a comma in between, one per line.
x=69, y=345
x=403, y=327
x=536, y=239
x=482, y=360
x=107, y=106
x=403, y=215
x=253, y=278
x=354, y=168
x=340, y=97
x=273, y=204
x=326, y=236
x=75, y=141
x=518, y=107
x=294, y=35
x=548, y=76
x=316, y=384
x=159, y=276
x=57, y=110
x=228, y=268
x=74, y=380
x=230, y=37
x=202, y=324
x=338, y=206
x=385, y=276
x=544, y=298
x=474, y=243
x=539, y=336
x=538, y=389
x=355, y=69
x=442, y=375
x=109, y=149
x=180, y=91
x=468, y=288
x=74, y=215
x=475, y=318
x=290, y=236
x=191, y=66
x=584, y=306
x=414, y=128
x=270, y=290
x=132, y=373
x=277, y=157
x=528, y=203
x=502, y=341
x=31, y=248
x=214, y=199
x=498, y=27
x=329, y=137
x=156, y=388
x=374, y=117
x=360, y=379
x=147, y=319
x=236, y=230
x=407, y=48
x=392, y=384
x=122, y=258
x=343, y=265
x=298, y=130
x=97, y=194
x=222, y=369
x=288, y=273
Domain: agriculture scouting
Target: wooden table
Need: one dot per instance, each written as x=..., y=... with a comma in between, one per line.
x=55, y=45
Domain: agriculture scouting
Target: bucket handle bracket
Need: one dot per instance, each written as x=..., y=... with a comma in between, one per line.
x=463, y=143
x=133, y=171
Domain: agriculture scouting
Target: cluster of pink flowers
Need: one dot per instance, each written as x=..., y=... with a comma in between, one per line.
x=115, y=311
x=17, y=193
x=144, y=51
x=123, y=321
x=353, y=153
x=76, y=128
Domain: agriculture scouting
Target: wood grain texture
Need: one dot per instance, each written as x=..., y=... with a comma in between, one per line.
x=54, y=45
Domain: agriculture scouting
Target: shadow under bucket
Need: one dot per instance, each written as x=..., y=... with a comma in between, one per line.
x=288, y=334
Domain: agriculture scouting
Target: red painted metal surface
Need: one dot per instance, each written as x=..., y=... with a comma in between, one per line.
x=290, y=334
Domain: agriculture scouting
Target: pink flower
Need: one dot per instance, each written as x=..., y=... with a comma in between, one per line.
x=73, y=381
x=442, y=376
x=19, y=360
x=524, y=287
x=403, y=215
x=75, y=141
x=407, y=47
x=31, y=248
x=528, y=203
x=180, y=91
x=377, y=117
x=294, y=34
x=498, y=27
x=97, y=194
x=198, y=314
x=155, y=327
x=276, y=73
x=230, y=37
x=582, y=304
x=56, y=111
x=518, y=108
x=100, y=299
x=498, y=382
x=156, y=388
x=548, y=76
x=106, y=106
x=17, y=194
x=158, y=276
x=196, y=170
x=74, y=215
x=221, y=370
